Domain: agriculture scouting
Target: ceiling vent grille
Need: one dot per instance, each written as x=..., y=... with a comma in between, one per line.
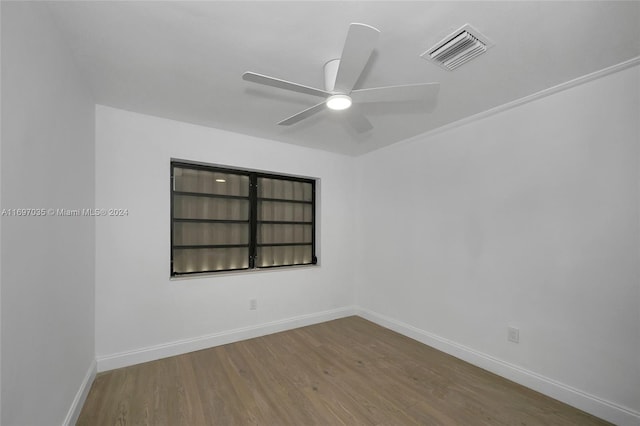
x=458, y=48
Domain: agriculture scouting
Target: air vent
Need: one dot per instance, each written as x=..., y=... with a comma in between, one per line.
x=458, y=48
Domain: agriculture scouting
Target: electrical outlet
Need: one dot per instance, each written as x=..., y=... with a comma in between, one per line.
x=253, y=304
x=513, y=334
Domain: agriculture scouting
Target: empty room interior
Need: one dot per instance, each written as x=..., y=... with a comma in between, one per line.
x=297, y=213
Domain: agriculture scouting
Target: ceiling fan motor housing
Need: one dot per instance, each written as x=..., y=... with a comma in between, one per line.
x=330, y=74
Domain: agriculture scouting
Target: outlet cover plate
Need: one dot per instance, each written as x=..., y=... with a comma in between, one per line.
x=513, y=334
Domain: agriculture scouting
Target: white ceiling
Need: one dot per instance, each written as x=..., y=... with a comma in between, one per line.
x=184, y=60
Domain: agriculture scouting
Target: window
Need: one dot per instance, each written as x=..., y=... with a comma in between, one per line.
x=226, y=220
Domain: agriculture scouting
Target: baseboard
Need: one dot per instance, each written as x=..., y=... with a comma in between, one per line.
x=81, y=396
x=151, y=353
x=599, y=407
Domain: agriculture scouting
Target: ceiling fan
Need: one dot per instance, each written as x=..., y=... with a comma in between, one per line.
x=341, y=76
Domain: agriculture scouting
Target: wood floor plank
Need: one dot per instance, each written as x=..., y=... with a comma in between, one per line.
x=343, y=372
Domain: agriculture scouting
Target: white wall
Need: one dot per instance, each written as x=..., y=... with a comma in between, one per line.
x=47, y=262
x=526, y=218
x=141, y=314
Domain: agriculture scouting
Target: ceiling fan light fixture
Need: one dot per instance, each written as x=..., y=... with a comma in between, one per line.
x=338, y=102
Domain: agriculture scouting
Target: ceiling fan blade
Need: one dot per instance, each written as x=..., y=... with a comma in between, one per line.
x=357, y=49
x=357, y=120
x=302, y=115
x=283, y=84
x=408, y=92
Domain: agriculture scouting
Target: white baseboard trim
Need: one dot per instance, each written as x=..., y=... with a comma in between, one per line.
x=81, y=396
x=599, y=407
x=179, y=347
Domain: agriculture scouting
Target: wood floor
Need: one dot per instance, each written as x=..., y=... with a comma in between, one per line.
x=344, y=372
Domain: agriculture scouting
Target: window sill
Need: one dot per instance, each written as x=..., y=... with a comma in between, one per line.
x=242, y=272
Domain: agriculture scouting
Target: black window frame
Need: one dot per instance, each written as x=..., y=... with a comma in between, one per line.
x=253, y=221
